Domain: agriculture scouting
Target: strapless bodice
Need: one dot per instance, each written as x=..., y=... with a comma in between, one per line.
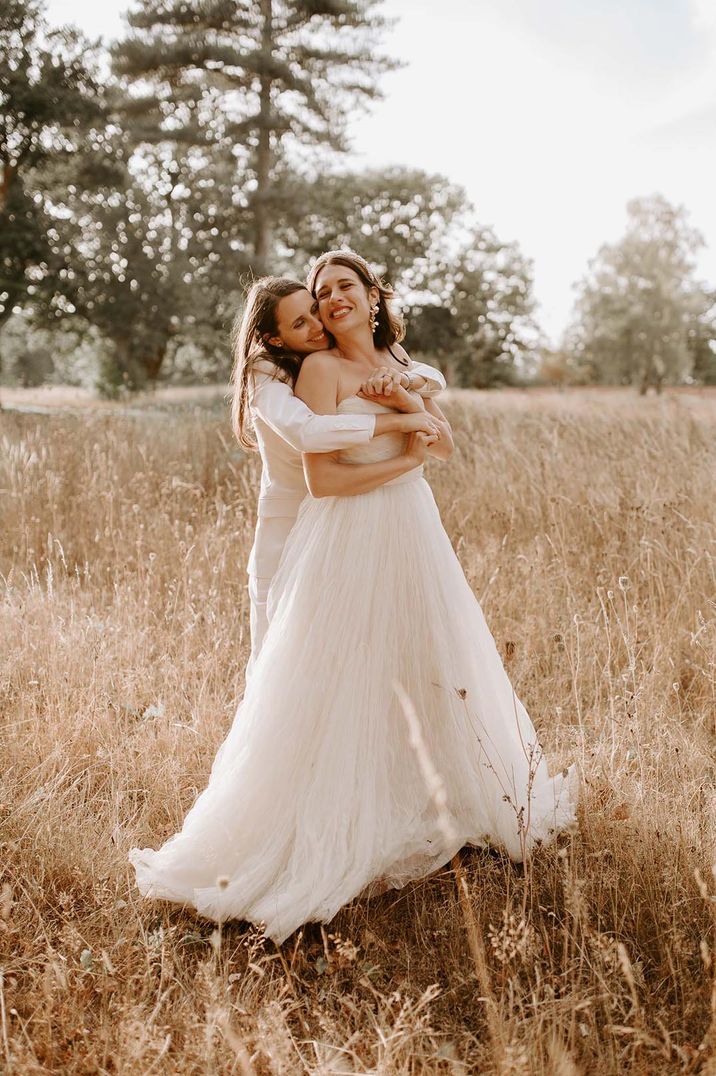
x=384, y=447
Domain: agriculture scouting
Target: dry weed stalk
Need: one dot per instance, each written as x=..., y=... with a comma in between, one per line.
x=588, y=529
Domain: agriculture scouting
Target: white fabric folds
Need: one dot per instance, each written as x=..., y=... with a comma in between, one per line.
x=317, y=790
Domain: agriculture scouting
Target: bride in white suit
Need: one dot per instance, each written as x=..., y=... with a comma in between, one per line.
x=278, y=327
x=377, y=673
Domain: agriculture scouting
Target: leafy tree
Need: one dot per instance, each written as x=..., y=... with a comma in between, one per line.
x=701, y=338
x=640, y=300
x=36, y=354
x=266, y=75
x=49, y=95
x=468, y=296
x=476, y=316
x=140, y=256
x=394, y=217
x=554, y=367
x=432, y=331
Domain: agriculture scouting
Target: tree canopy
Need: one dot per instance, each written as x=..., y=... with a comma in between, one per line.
x=640, y=306
x=142, y=188
x=260, y=77
x=49, y=96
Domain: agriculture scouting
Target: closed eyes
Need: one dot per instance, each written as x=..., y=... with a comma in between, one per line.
x=300, y=322
x=344, y=285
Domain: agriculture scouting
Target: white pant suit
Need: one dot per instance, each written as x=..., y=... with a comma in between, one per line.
x=285, y=427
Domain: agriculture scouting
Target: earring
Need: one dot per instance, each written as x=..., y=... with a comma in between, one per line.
x=373, y=319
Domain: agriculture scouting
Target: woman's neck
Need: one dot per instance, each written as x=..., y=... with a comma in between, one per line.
x=358, y=346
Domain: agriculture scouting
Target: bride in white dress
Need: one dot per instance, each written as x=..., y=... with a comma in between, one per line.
x=318, y=791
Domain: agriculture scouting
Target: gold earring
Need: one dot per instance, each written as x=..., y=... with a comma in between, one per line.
x=373, y=320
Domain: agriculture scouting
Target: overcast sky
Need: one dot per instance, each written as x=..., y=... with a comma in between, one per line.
x=551, y=113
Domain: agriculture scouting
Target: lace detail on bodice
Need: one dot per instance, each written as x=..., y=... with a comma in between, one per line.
x=384, y=447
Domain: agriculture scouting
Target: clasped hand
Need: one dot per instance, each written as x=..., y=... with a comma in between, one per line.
x=385, y=387
x=385, y=381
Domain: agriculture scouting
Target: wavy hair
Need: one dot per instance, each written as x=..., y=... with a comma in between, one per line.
x=390, y=328
x=249, y=344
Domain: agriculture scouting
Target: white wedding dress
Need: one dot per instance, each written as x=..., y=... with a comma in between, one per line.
x=319, y=789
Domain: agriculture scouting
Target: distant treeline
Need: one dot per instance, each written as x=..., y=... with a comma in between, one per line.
x=142, y=187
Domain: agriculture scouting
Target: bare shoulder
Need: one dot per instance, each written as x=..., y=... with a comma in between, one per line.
x=318, y=381
x=321, y=360
x=319, y=364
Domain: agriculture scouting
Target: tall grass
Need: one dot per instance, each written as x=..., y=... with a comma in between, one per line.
x=586, y=526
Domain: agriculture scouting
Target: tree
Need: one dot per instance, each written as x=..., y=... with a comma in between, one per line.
x=476, y=310
x=639, y=299
x=49, y=95
x=269, y=75
x=701, y=338
x=140, y=256
x=395, y=217
x=467, y=296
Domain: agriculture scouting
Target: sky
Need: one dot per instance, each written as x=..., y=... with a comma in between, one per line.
x=552, y=114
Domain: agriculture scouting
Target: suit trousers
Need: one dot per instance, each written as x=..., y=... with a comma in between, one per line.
x=269, y=542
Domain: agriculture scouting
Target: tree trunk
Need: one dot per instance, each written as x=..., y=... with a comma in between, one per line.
x=8, y=175
x=153, y=361
x=131, y=367
x=262, y=224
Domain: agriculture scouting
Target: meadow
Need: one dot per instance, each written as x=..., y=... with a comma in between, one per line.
x=586, y=524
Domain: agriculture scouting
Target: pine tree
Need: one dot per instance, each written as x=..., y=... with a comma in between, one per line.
x=260, y=78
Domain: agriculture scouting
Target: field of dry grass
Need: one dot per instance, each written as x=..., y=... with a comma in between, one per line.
x=586, y=525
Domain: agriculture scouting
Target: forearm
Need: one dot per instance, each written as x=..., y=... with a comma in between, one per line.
x=393, y=422
x=321, y=433
x=326, y=433
x=275, y=404
x=326, y=477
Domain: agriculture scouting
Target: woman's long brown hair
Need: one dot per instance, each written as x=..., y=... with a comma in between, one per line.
x=249, y=344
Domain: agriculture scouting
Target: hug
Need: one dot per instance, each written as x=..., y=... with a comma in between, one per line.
x=378, y=732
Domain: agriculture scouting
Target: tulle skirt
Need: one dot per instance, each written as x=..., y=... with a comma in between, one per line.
x=378, y=733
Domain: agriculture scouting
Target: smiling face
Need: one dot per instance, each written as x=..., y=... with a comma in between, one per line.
x=299, y=328
x=343, y=300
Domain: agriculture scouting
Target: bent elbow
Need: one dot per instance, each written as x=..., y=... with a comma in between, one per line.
x=314, y=471
x=318, y=489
